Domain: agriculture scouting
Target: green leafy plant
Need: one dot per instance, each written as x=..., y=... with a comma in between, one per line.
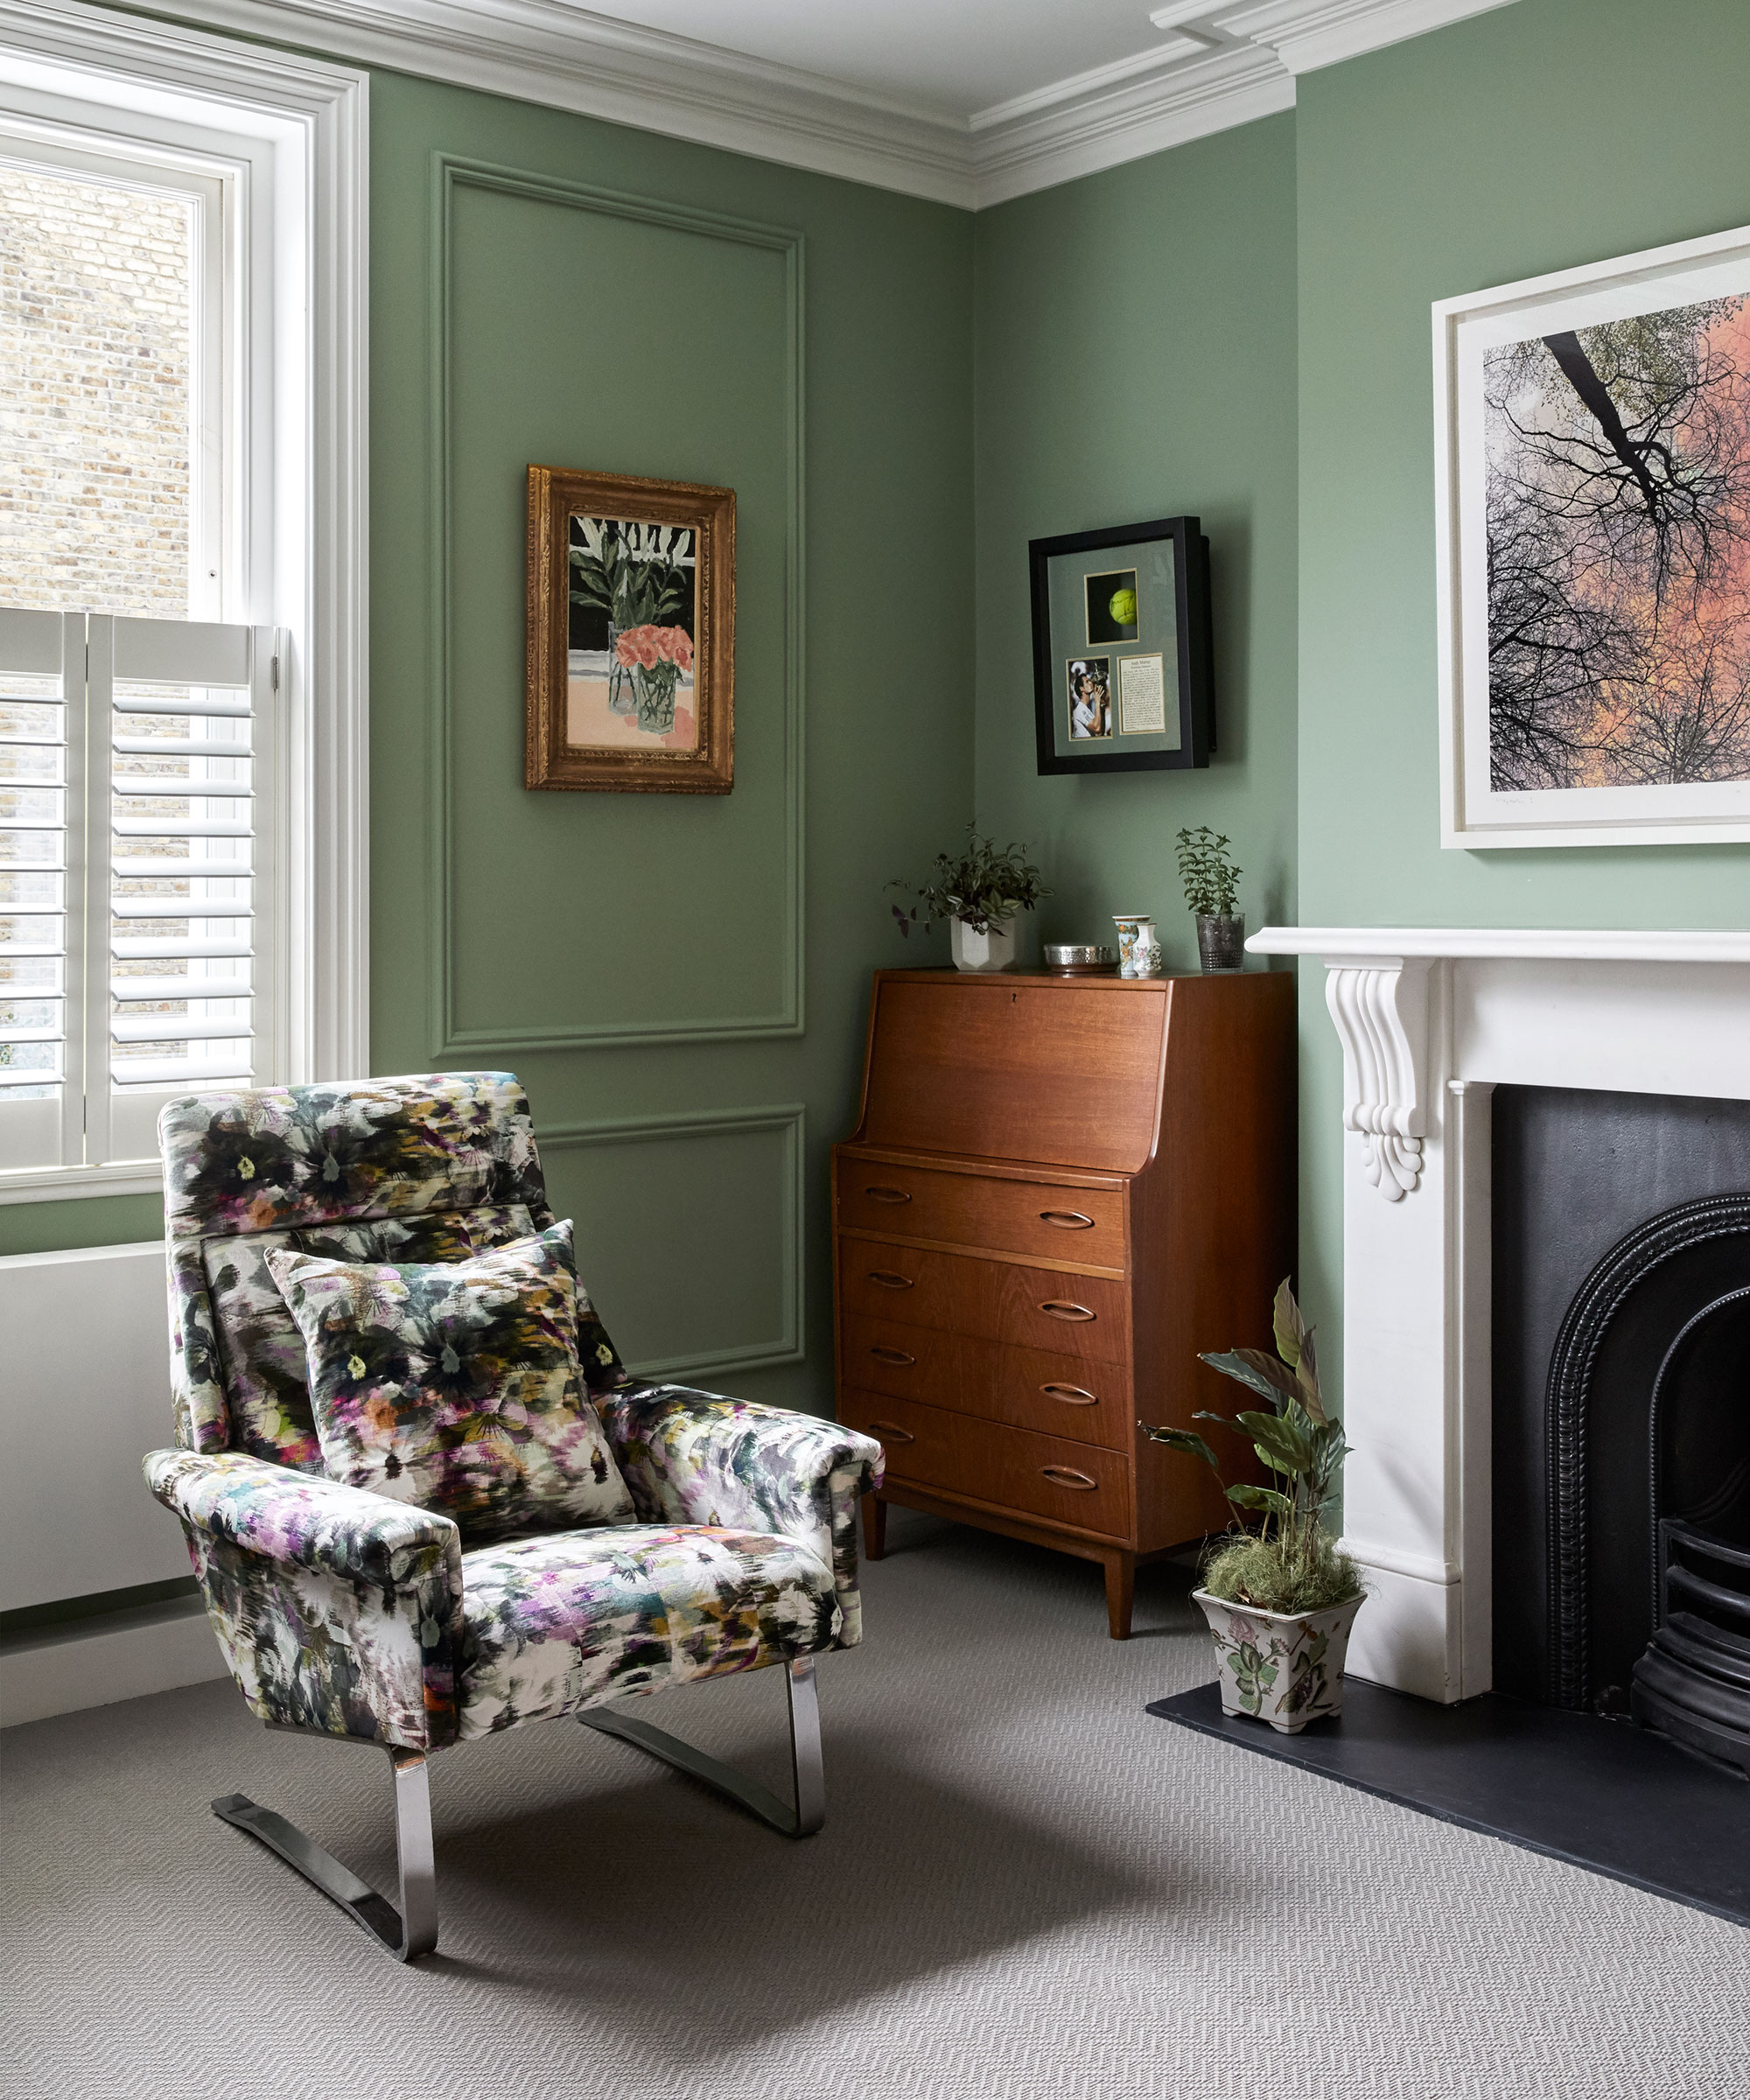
x=1209, y=872
x=1291, y=1564
x=982, y=887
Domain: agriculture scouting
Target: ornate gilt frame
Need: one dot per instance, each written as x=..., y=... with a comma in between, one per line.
x=555, y=494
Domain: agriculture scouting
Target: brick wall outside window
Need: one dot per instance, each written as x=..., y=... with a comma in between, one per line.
x=94, y=393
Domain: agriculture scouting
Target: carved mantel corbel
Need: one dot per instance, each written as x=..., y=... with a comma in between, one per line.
x=1380, y=1006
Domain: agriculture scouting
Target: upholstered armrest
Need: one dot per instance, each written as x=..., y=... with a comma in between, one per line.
x=694, y=1458
x=337, y=1609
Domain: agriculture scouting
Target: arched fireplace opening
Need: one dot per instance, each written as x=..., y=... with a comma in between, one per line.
x=1622, y=1516
x=1647, y=1413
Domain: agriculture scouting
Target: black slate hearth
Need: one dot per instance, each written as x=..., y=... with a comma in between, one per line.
x=1600, y=1794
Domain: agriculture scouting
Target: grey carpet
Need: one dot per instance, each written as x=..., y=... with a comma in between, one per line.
x=1026, y=1889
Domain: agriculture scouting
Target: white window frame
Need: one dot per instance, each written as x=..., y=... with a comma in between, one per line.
x=299, y=127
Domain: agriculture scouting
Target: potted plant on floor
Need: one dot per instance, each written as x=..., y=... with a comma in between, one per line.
x=979, y=893
x=1280, y=1600
x=1211, y=878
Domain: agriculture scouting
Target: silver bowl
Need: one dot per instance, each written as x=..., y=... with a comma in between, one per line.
x=1065, y=955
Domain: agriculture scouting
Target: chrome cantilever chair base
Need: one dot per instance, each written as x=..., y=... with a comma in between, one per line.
x=412, y=1930
x=406, y=1933
x=806, y=1767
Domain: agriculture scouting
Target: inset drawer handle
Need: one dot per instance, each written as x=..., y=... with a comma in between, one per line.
x=1075, y=1395
x=888, y=1281
x=903, y=1435
x=1059, y=1308
x=1071, y=1220
x=887, y=1195
x=1065, y=1476
x=884, y=1355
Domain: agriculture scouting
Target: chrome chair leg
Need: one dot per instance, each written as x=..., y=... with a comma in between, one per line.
x=406, y=1933
x=806, y=1766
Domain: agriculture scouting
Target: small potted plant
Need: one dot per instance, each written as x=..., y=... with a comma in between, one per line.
x=1280, y=1601
x=978, y=892
x=1210, y=877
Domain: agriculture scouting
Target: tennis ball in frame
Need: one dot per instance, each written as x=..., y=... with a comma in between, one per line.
x=1123, y=608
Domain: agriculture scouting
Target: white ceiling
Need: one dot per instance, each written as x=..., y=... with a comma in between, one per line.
x=952, y=59
x=967, y=102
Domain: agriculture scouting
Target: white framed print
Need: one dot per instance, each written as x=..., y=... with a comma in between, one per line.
x=1592, y=533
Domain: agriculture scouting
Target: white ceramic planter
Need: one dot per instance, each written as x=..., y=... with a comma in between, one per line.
x=1283, y=1668
x=970, y=950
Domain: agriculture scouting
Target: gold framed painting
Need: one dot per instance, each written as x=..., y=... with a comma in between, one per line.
x=631, y=682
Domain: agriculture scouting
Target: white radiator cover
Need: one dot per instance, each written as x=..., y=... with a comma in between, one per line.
x=84, y=1393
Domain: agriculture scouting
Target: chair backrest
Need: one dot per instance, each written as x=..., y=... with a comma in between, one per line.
x=431, y=1168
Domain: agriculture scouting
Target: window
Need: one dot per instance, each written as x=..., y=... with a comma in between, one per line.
x=182, y=879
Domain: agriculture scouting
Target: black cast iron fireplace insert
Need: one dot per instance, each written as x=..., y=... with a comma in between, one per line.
x=1627, y=1478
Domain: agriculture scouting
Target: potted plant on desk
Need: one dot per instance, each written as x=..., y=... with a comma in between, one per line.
x=979, y=893
x=1280, y=1601
x=1211, y=881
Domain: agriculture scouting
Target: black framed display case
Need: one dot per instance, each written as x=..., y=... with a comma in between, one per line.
x=1122, y=673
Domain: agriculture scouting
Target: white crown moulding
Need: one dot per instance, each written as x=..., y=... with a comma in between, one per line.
x=1217, y=66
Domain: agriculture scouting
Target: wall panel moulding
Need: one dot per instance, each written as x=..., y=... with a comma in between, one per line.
x=508, y=1034
x=1210, y=68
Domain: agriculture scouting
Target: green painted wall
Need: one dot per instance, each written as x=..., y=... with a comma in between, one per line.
x=580, y=336
x=1545, y=135
x=1136, y=360
x=1238, y=327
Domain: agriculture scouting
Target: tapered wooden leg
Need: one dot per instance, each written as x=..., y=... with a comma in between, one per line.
x=874, y=1528
x=1121, y=1586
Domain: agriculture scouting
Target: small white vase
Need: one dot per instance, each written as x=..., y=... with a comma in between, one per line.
x=971, y=950
x=1280, y=1667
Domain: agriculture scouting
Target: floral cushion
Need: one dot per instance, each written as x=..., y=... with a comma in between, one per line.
x=554, y=1623
x=260, y=1351
x=455, y=1386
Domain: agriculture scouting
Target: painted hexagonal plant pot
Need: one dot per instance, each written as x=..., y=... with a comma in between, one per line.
x=1286, y=1668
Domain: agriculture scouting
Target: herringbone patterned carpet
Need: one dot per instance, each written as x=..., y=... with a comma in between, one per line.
x=1026, y=1890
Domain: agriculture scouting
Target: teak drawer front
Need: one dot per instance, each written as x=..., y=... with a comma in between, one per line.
x=1084, y=1316
x=980, y=1210
x=1028, y=1389
x=1013, y=1468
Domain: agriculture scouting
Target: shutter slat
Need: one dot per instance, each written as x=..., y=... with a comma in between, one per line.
x=178, y=826
x=178, y=1028
x=172, y=1071
x=233, y=706
x=137, y=948
x=178, y=908
x=176, y=748
x=123, y=990
x=24, y=1075
x=149, y=867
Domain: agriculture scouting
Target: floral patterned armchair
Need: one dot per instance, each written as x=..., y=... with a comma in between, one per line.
x=347, y=1615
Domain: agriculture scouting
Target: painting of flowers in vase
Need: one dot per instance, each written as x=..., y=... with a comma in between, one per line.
x=631, y=633
x=633, y=608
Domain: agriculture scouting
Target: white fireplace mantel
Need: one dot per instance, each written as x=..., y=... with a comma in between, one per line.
x=1432, y=1020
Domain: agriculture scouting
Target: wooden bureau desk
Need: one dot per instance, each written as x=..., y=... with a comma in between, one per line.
x=1059, y=1191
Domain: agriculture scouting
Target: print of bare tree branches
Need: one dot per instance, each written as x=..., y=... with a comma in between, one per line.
x=1619, y=552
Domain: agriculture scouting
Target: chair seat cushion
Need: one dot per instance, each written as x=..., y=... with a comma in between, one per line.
x=563, y=1621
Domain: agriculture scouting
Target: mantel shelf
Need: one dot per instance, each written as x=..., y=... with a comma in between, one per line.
x=1575, y=944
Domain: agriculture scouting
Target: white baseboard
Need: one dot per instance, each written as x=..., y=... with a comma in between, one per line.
x=123, y=1656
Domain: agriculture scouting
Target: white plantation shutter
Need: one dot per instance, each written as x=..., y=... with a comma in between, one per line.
x=138, y=839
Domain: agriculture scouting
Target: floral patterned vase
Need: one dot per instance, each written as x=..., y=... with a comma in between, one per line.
x=1280, y=1667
